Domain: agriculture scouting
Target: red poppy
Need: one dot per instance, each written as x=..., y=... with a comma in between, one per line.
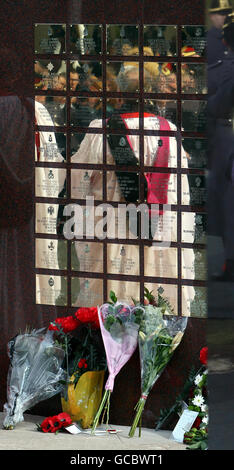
x=203, y=355
x=51, y=424
x=68, y=324
x=82, y=363
x=64, y=419
x=88, y=315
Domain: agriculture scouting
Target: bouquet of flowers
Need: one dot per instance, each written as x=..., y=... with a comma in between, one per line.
x=85, y=363
x=35, y=373
x=119, y=323
x=159, y=336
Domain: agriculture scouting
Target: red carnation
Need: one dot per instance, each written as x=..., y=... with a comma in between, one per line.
x=203, y=355
x=68, y=324
x=88, y=315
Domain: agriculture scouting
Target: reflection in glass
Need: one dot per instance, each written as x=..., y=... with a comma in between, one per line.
x=49, y=290
x=123, y=259
x=49, y=182
x=163, y=187
x=160, y=262
x=121, y=39
x=196, y=193
x=90, y=75
x=166, y=79
x=126, y=290
x=195, y=304
x=47, y=254
x=153, y=151
x=170, y=292
x=46, y=218
x=193, y=116
x=123, y=188
x=124, y=108
x=120, y=144
x=49, y=38
x=196, y=233
x=193, y=41
x=56, y=107
x=193, y=78
x=88, y=256
x=197, y=150
x=161, y=40
x=86, y=39
x=75, y=143
x=163, y=108
x=194, y=264
x=52, y=75
x=85, y=111
x=86, y=292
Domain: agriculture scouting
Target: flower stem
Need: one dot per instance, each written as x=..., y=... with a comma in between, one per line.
x=139, y=410
x=105, y=401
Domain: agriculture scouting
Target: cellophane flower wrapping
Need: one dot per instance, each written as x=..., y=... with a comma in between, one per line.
x=34, y=373
x=119, y=324
x=159, y=336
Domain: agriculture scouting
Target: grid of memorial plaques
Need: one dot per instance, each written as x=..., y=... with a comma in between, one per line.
x=86, y=77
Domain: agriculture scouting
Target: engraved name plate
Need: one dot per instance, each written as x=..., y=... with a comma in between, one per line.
x=46, y=218
x=49, y=290
x=163, y=108
x=52, y=147
x=86, y=292
x=194, y=116
x=123, y=259
x=197, y=150
x=50, y=253
x=196, y=232
x=193, y=41
x=125, y=185
x=86, y=112
x=121, y=145
x=82, y=184
x=194, y=301
x=53, y=112
x=193, y=264
x=160, y=262
x=129, y=106
x=88, y=256
x=164, y=185
x=194, y=190
x=170, y=293
x=122, y=39
x=49, y=182
x=166, y=80
x=154, y=146
x=53, y=75
x=80, y=156
x=124, y=290
x=86, y=39
x=160, y=40
x=49, y=38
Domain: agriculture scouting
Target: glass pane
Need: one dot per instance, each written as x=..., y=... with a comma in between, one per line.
x=170, y=293
x=87, y=256
x=193, y=264
x=123, y=259
x=49, y=182
x=122, y=39
x=89, y=75
x=194, y=304
x=193, y=78
x=123, y=76
x=193, y=41
x=160, y=262
x=197, y=150
x=194, y=116
x=160, y=40
x=80, y=157
x=53, y=75
x=194, y=190
x=163, y=108
x=52, y=146
x=47, y=254
x=86, y=292
x=155, y=148
x=51, y=290
x=122, y=186
x=124, y=290
x=46, y=218
x=165, y=80
x=86, y=39
x=50, y=38
x=86, y=111
x=164, y=187
x=195, y=233
x=82, y=185
x=120, y=149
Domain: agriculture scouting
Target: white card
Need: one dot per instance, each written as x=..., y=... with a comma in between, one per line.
x=184, y=425
x=73, y=429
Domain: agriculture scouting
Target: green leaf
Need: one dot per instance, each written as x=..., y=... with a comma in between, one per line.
x=113, y=297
